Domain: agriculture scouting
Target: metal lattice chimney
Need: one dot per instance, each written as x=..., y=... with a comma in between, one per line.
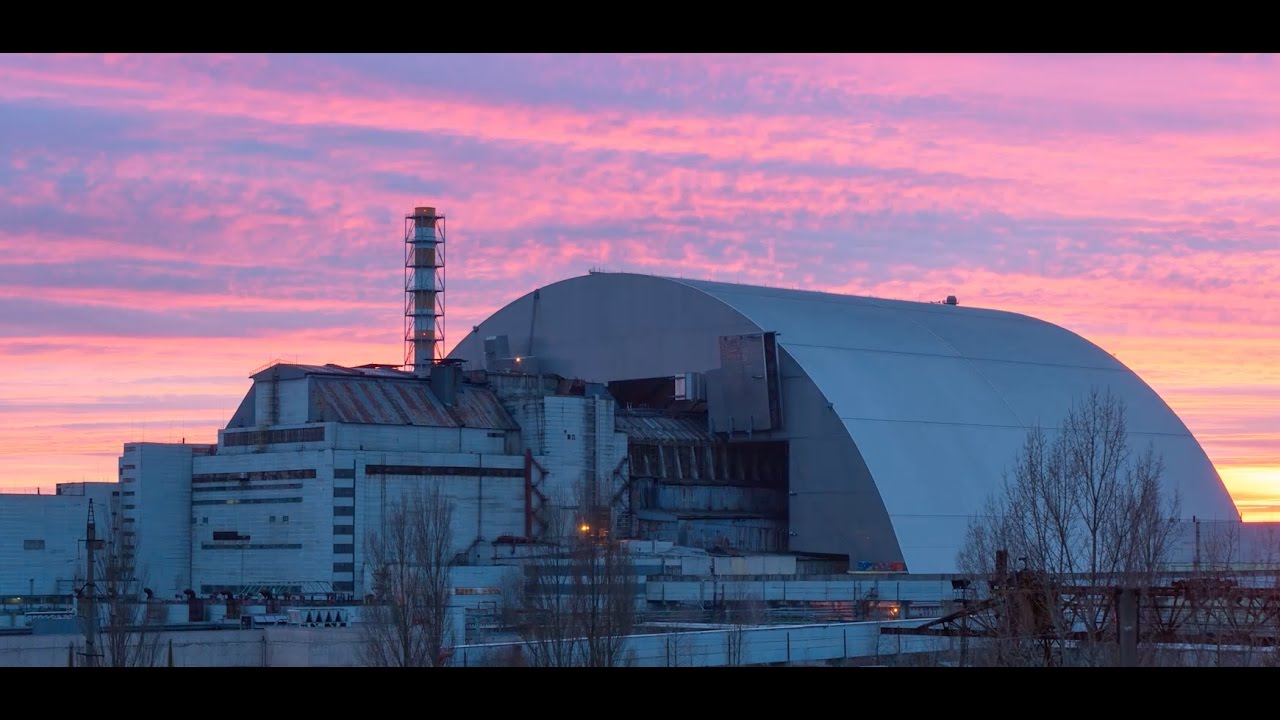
x=424, y=289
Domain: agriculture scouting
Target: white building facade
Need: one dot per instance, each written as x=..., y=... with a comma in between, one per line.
x=42, y=538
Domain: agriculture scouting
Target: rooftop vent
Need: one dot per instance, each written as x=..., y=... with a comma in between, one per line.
x=951, y=300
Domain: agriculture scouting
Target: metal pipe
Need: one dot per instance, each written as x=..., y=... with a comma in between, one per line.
x=528, y=494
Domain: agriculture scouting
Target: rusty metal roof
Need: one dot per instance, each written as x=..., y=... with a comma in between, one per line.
x=288, y=371
x=655, y=427
x=402, y=400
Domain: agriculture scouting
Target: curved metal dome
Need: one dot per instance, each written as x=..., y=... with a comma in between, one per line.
x=902, y=416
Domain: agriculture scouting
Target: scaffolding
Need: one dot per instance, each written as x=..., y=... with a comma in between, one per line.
x=424, y=282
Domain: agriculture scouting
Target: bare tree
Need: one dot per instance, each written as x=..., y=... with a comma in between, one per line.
x=744, y=613
x=126, y=617
x=539, y=604
x=1079, y=514
x=406, y=622
x=604, y=593
x=1232, y=599
x=577, y=603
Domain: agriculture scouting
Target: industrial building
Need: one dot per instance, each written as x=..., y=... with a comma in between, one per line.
x=803, y=449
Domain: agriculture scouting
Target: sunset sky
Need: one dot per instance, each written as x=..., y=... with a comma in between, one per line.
x=168, y=224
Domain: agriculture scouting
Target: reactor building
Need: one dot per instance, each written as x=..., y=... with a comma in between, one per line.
x=875, y=428
x=734, y=420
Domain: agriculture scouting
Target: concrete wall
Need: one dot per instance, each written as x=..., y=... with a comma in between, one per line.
x=484, y=508
x=418, y=439
x=160, y=514
x=340, y=647
x=290, y=536
x=40, y=552
x=315, y=529
x=289, y=395
x=572, y=438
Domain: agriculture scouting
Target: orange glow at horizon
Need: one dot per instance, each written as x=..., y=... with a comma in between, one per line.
x=170, y=223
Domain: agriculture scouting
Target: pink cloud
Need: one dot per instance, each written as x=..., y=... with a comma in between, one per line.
x=1128, y=198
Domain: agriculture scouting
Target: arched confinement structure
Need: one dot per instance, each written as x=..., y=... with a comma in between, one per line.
x=901, y=417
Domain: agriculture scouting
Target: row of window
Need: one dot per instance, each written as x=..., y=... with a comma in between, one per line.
x=304, y=474
x=247, y=501
x=237, y=488
x=205, y=521
x=273, y=437
x=277, y=589
x=251, y=546
x=452, y=471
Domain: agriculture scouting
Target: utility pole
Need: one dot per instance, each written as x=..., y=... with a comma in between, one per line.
x=89, y=595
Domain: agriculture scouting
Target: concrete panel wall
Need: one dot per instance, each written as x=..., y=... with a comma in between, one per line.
x=418, y=439
x=298, y=535
x=161, y=515
x=290, y=398
x=340, y=647
x=40, y=552
x=573, y=439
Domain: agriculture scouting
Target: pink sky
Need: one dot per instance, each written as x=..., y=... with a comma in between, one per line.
x=170, y=223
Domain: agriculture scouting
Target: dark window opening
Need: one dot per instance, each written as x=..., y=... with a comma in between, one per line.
x=273, y=437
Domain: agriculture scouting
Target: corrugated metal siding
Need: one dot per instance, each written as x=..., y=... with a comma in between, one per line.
x=647, y=427
x=373, y=401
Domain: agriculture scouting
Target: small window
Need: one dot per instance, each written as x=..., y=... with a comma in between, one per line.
x=226, y=535
x=273, y=518
x=344, y=492
x=347, y=510
x=204, y=521
x=343, y=548
x=344, y=529
x=33, y=544
x=344, y=567
x=284, y=518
